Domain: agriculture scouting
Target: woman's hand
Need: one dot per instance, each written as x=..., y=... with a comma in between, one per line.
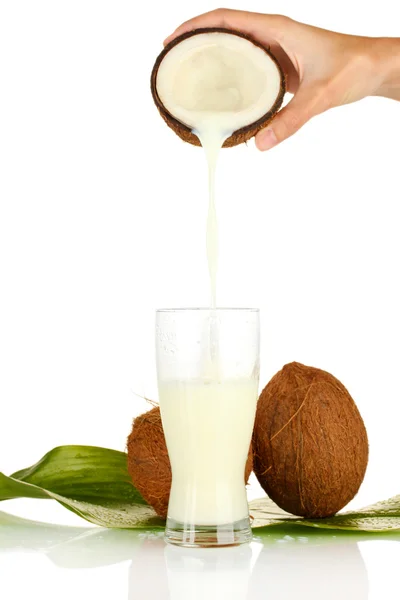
x=324, y=69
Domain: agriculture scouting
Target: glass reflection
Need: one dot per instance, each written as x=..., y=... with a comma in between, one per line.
x=211, y=573
x=278, y=566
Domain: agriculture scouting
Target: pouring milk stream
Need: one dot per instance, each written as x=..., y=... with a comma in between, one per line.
x=217, y=83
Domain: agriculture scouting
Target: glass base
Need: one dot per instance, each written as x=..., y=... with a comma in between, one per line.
x=208, y=536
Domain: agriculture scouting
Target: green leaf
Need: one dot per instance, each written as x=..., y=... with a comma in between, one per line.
x=381, y=517
x=95, y=484
x=11, y=488
x=83, y=473
x=264, y=512
x=92, y=482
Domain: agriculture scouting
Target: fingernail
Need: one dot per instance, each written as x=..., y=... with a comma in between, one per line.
x=168, y=39
x=266, y=139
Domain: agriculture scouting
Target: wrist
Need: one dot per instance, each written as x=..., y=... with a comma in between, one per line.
x=386, y=53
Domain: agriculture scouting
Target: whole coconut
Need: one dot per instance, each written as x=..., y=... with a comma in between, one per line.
x=309, y=442
x=148, y=461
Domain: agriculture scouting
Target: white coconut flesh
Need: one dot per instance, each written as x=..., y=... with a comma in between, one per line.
x=220, y=76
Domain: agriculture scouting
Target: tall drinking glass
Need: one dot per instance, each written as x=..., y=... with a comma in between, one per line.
x=208, y=372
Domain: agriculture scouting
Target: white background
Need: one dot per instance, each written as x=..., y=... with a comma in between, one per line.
x=102, y=220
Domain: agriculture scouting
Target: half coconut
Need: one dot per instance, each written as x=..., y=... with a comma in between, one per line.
x=219, y=72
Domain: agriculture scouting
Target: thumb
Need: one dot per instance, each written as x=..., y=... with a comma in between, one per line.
x=288, y=121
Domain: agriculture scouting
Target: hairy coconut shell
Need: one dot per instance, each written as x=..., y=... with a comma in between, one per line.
x=309, y=442
x=239, y=136
x=148, y=461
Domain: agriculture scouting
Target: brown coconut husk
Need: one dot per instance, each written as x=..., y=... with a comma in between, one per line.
x=241, y=135
x=148, y=461
x=310, y=444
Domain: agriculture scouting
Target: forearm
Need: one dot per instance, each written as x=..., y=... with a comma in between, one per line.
x=387, y=53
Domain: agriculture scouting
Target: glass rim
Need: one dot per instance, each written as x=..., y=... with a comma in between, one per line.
x=209, y=309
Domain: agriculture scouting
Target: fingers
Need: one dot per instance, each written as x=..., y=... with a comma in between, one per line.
x=263, y=27
x=305, y=105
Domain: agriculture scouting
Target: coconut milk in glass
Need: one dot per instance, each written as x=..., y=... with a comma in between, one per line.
x=208, y=400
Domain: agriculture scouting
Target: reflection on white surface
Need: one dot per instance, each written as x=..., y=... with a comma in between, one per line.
x=285, y=562
x=147, y=572
x=293, y=567
x=67, y=547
